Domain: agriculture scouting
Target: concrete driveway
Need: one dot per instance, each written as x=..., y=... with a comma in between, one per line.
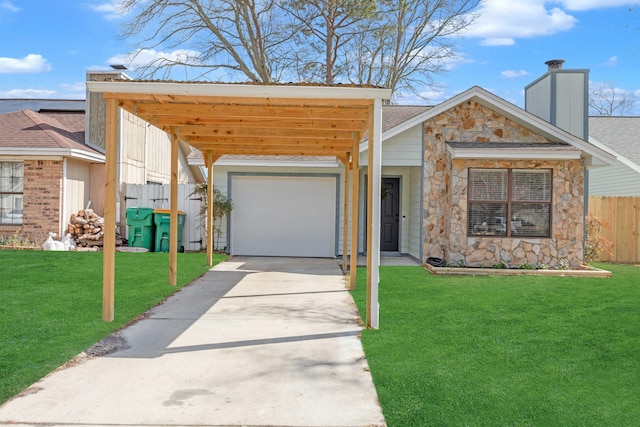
x=255, y=341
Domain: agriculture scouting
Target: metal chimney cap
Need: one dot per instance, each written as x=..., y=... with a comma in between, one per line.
x=555, y=64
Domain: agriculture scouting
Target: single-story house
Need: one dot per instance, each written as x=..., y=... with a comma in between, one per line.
x=619, y=136
x=475, y=180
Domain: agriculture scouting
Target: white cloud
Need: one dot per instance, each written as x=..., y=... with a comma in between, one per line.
x=77, y=88
x=28, y=93
x=144, y=57
x=111, y=9
x=31, y=63
x=514, y=74
x=611, y=62
x=595, y=4
x=7, y=5
x=498, y=41
x=503, y=21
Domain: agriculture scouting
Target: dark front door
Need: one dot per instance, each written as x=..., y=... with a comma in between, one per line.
x=390, y=214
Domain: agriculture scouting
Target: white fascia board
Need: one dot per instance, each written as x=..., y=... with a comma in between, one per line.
x=241, y=90
x=622, y=159
x=52, y=153
x=543, y=127
x=513, y=154
x=270, y=163
x=510, y=110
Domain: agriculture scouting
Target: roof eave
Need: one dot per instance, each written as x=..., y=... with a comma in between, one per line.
x=53, y=152
x=241, y=90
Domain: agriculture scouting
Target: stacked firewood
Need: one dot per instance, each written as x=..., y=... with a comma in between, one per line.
x=86, y=228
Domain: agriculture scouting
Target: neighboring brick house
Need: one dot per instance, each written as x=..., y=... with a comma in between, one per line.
x=45, y=171
x=50, y=167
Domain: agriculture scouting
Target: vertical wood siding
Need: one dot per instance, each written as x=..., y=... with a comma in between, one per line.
x=157, y=197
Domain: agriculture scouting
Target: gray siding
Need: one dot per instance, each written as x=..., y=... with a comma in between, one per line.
x=538, y=98
x=414, y=235
x=404, y=149
x=571, y=102
x=615, y=180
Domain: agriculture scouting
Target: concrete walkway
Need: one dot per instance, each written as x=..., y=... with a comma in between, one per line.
x=254, y=342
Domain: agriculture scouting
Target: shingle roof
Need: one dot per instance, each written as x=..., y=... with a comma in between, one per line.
x=621, y=134
x=10, y=105
x=27, y=129
x=393, y=115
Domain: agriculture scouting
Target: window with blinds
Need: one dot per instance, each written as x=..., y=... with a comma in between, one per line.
x=509, y=202
x=11, y=188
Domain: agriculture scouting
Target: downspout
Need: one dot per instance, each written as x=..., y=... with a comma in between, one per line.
x=421, y=246
x=63, y=213
x=586, y=211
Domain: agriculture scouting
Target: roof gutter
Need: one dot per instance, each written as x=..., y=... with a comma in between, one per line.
x=53, y=152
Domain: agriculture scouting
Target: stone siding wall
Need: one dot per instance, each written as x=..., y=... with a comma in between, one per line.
x=445, y=195
x=42, y=201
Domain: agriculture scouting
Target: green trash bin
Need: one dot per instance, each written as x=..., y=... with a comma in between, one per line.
x=162, y=219
x=140, y=223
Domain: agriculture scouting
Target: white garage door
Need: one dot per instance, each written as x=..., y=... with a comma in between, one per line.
x=283, y=216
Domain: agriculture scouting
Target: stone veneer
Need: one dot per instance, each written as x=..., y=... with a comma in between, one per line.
x=41, y=200
x=445, y=194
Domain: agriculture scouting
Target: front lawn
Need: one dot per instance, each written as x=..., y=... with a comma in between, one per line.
x=506, y=351
x=51, y=305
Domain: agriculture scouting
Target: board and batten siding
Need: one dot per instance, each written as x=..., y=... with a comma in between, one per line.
x=571, y=102
x=77, y=186
x=617, y=179
x=538, y=98
x=158, y=197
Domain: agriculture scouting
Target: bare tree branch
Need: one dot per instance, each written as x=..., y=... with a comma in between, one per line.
x=411, y=44
x=398, y=44
x=238, y=35
x=607, y=100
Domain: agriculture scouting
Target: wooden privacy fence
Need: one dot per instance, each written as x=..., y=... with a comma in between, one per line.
x=157, y=197
x=622, y=214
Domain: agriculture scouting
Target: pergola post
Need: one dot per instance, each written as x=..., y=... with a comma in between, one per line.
x=110, y=196
x=173, y=225
x=210, y=207
x=345, y=215
x=355, y=189
x=373, y=214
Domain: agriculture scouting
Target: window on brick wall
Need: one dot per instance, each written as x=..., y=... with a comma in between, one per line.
x=11, y=188
x=509, y=202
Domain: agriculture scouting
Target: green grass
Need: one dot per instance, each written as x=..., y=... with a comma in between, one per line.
x=51, y=305
x=506, y=351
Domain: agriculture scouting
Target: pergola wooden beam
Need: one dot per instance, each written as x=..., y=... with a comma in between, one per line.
x=279, y=132
x=214, y=111
x=300, y=120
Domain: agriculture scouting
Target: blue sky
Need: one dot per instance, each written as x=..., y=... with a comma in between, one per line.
x=46, y=47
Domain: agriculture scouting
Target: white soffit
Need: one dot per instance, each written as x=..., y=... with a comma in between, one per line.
x=513, y=154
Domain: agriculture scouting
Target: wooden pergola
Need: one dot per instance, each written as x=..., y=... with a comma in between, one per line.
x=245, y=119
